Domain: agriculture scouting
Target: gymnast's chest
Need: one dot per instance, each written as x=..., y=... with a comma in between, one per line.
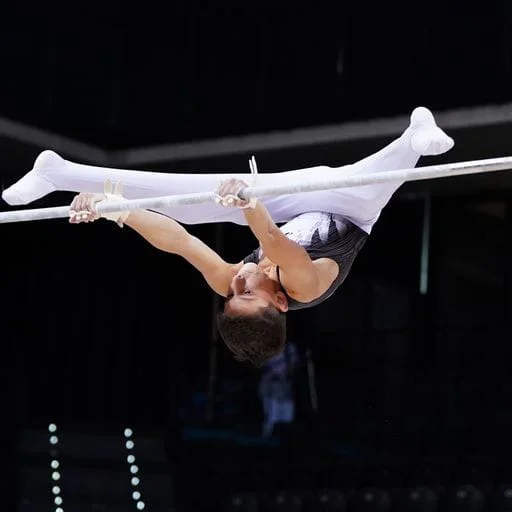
x=310, y=230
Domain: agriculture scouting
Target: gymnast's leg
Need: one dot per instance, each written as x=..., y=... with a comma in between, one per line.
x=422, y=138
x=361, y=204
x=51, y=173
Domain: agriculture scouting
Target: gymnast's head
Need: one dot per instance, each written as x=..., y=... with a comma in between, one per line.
x=253, y=323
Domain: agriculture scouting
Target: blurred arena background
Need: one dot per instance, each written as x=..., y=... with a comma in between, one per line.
x=403, y=389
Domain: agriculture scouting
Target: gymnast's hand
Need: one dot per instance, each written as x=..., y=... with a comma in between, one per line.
x=83, y=207
x=227, y=194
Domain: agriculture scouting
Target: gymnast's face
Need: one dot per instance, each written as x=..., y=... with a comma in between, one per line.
x=252, y=289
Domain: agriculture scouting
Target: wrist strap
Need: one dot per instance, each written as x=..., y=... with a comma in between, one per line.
x=112, y=194
x=253, y=201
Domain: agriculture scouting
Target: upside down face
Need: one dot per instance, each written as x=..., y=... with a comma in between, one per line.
x=252, y=289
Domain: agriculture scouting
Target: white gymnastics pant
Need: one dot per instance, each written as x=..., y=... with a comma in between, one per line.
x=361, y=205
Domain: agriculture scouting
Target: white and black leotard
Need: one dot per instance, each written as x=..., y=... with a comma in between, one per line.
x=323, y=235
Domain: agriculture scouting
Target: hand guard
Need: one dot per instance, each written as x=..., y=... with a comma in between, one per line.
x=113, y=194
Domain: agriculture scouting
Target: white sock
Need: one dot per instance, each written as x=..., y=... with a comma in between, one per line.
x=427, y=138
x=34, y=184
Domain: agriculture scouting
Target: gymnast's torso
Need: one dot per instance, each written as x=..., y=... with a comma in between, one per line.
x=323, y=235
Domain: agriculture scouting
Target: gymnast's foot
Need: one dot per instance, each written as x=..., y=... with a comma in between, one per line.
x=35, y=183
x=427, y=138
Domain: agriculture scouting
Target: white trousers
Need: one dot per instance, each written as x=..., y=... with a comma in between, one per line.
x=361, y=205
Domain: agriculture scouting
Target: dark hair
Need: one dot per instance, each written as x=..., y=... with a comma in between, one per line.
x=255, y=338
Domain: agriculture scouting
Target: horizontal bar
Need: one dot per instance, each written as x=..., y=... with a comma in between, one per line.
x=310, y=185
x=414, y=174
x=124, y=205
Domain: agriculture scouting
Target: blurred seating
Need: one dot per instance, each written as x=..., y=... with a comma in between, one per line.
x=503, y=498
x=417, y=499
x=370, y=499
x=325, y=500
x=454, y=498
x=463, y=498
x=283, y=501
x=242, y=502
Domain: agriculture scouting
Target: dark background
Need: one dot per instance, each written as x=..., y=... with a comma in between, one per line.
x=101, y=331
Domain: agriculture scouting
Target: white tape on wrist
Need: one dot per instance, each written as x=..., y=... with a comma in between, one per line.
x=113, y=194
x=231, y=199
x=253, y=201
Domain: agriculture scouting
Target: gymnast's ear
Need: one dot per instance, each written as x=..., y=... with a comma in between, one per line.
x=281, y=302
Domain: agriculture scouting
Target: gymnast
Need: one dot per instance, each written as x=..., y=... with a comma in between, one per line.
x=296, y=265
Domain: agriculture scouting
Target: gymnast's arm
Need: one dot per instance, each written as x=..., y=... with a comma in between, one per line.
x=298, y=273
x=167, y=235
x=301, y=278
